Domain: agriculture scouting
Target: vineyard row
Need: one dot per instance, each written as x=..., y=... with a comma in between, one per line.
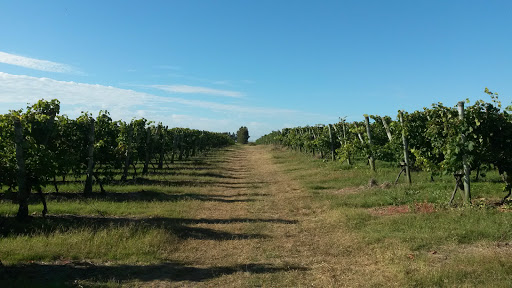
x=440, y=140
x=38, y=145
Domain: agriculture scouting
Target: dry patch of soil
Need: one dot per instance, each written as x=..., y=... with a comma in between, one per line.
x=390, y=210
x=401, y=209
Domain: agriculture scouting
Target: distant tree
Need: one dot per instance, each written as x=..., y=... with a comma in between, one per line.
x=242, y=136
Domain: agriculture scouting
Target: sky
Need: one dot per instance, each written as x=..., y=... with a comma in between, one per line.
x=266, y=64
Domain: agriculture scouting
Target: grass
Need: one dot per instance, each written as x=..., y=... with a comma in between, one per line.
x=132, y=223
x=406, y=237
x=107, y=208
x=252, y=216
x=113, y=243
x=187, y=225
x=428, y=231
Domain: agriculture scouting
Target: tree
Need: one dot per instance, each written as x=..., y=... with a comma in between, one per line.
x=242, y=135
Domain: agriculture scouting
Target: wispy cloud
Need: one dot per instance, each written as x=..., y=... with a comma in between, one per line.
x=18, y=90
x=36, y=64
x=197, y=90
x=219, y=107
x=205, y=80
x=23, y=89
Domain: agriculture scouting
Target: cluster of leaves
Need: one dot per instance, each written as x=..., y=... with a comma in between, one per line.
x=7, y=152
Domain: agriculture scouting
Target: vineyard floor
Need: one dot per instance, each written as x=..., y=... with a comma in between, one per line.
x=257, y=216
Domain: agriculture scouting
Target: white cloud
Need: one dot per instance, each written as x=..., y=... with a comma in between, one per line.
x=18, y=90
x=203, y=123
x=219, y=107
x=197, y=90
x=23, y=89
x=36, y=64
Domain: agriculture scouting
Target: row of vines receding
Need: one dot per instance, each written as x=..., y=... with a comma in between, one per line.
x=440, y=140
x=38, y=146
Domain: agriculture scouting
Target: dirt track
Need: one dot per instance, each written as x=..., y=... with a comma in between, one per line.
x=273, y=234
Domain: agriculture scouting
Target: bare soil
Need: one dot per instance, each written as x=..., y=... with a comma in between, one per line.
x=401, y=209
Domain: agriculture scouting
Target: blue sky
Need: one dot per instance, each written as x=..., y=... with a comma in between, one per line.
x=219, y=65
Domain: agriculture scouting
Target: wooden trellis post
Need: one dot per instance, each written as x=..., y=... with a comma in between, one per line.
x=388, y=132
x=345, y=143
x=370, y=156
x=467, y=169
x=406, y=150
x=312, y=133
x=359, y=135
x=128, y=152
x=332, y=143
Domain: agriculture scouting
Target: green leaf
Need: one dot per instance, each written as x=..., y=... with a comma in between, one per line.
x=471, y=145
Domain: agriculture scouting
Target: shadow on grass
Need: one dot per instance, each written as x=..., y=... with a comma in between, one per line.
x=156, y=182
x=237, y=220
x=177, y=183
x=151, y=196
x=144, y=196
x=194, y=181
x=195, y=174
x=171, y=168
x=178, y=226
x=243, y=195
x=40, y=275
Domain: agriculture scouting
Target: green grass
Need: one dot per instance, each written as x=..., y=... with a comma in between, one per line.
x=137, y=222
x=425, y=231
x=393, y=236
x=117, y=243
x=471, y=271
x=318, y=175
x=106, y=208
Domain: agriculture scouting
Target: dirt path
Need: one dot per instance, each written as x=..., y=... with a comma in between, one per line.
x=273, y=234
